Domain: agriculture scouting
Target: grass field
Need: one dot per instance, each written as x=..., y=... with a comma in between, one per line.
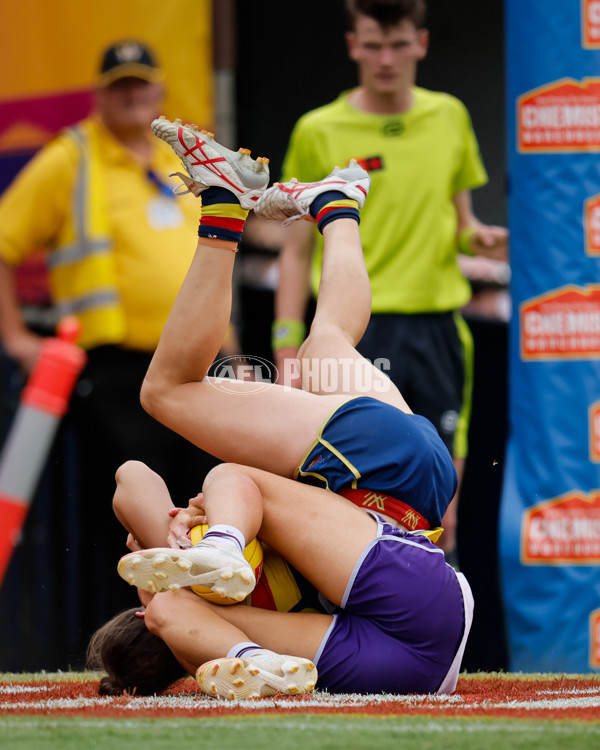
x=34, y=714
x=298, y=732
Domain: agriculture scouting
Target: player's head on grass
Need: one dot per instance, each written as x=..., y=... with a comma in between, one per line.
x=135, y=660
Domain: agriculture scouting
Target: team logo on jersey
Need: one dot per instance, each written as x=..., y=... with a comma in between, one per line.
x=370, y=163
x=410, y=519
x=392, y=128
x=373, y=499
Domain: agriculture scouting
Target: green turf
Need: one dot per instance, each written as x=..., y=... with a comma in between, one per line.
x=298, y=732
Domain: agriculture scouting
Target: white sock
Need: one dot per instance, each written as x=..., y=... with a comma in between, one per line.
x=226, y=535
x=243, y=650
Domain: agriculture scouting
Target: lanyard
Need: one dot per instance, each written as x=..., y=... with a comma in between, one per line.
x=155, y=180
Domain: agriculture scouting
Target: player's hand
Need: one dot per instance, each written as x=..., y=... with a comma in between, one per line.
x=491, y=241
x=182, y=520
x=197, y=502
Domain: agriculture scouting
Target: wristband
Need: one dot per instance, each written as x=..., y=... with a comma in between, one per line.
x=464, y=240
x=287, y=332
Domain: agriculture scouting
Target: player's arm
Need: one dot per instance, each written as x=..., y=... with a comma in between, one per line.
x=291, y=299
x=474, y=237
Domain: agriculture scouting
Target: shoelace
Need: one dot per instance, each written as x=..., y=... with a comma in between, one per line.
x=187, y=184
x=301, y=211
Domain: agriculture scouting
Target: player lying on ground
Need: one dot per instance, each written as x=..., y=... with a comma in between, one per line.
x=404, y=614
x=136, y=660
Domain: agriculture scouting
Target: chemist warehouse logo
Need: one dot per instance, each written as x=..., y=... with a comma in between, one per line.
x=591, y=225
x=590, y=24
x=562, y=324
x=563, y=116
x=594, y=432
x=564, y=530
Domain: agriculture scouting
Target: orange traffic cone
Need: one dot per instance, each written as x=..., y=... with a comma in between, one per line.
x=44, y=401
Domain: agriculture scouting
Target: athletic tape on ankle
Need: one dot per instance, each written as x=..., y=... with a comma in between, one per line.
x=287, y=333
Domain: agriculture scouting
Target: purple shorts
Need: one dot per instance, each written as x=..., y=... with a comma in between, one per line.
x=403, y=623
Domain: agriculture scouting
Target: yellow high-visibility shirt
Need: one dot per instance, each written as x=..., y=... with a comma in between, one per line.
x=417, y=161
x=152, y=235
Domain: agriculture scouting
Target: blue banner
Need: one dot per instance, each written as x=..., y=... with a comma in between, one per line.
x=550, y=510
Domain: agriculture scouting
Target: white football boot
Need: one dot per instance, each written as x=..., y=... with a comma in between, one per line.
x=223, y=570
x=208, y=164
x=289, y=201
x=258, y=676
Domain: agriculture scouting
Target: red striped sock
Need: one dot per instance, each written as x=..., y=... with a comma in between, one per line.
x=222, y=216
x=333, y=205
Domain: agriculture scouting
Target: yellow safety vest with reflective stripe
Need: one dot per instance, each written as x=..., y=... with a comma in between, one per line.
x=81, y=267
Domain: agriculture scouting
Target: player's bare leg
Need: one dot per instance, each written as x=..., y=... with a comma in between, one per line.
x=142, y=503
x=328, y=359
x=320, y=547
x=341, y=319
x=200, y=634
x=236, y=423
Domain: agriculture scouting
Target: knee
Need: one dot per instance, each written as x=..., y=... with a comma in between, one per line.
x=127, y=474
x=221, y=472
x=131, y=470
x=150, y=394
x=232, y=478
x=158, y=612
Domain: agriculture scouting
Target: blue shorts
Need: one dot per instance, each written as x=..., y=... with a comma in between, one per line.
x=403, y=622
x=369, y=444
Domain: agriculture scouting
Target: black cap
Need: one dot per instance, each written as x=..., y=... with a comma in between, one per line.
x=129, y=59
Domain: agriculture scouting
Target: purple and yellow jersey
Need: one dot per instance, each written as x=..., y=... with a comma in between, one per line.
x=282, y=588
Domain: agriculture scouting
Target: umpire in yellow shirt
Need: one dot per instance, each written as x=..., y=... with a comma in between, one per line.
x=118, y=247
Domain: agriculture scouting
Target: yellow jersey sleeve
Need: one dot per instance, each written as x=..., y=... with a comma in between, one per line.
x=34, y=207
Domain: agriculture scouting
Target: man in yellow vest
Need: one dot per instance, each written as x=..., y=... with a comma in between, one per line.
x=118, y=245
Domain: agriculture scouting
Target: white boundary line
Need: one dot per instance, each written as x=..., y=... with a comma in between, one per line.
x=553, y=700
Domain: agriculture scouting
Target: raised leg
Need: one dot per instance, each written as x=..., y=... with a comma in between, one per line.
x=235, y=423
x=328, y=359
